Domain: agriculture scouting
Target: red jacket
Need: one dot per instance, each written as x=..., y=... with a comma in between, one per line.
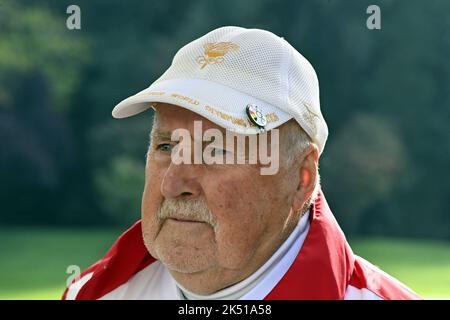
x=325, y=267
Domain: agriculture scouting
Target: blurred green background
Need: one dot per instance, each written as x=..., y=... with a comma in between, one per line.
x=72, y=176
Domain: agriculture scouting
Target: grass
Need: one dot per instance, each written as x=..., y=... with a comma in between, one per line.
x=422, y=265
x=33, y=262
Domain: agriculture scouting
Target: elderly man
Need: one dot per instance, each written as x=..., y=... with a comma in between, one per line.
x=232, y=207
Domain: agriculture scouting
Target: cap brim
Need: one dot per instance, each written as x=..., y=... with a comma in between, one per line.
x=218, y=103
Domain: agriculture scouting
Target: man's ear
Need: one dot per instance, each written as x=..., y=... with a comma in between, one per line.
x=307, y=178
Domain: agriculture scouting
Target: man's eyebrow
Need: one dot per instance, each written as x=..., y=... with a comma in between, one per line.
x=161, y=135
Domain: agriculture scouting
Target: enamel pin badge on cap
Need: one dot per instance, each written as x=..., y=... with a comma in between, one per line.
x=256, y=116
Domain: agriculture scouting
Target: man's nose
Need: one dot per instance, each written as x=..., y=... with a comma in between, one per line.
x=181, y=181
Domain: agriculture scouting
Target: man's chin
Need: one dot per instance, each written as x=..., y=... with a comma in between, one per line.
x=185, y=265
x=184, y=257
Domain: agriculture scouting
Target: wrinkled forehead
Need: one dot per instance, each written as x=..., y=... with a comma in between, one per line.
x=168, y=117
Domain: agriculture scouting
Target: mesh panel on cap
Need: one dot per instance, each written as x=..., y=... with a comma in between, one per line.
x=253, y=69
x=304, y=93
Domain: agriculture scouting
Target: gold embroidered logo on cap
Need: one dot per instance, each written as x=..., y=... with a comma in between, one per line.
x=310, y=116
x=215, y=52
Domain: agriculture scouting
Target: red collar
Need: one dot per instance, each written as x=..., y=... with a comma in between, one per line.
x=322, y=269
x=325, y=263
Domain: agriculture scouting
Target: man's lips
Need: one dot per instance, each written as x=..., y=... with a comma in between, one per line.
x=184, y=219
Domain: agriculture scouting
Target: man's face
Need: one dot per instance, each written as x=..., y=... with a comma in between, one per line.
x=220, y=219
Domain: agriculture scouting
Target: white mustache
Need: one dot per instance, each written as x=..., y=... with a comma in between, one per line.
x=196, y=210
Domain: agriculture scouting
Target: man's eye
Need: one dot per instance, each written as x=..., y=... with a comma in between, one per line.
x=164, y=147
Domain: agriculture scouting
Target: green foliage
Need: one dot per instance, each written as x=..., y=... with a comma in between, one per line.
x=33, y=40
x=120, y=186
x=373, y=159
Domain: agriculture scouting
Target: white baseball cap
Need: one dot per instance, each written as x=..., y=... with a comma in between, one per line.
x=244, y=80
